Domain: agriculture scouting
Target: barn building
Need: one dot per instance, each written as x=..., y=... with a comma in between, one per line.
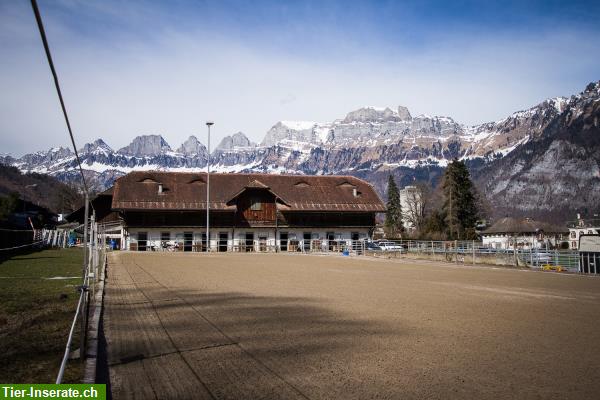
x=523, y=233
x=248, y=212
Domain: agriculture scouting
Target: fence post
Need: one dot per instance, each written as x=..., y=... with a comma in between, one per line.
x=84, y=272
x=473, y=252
x=515, y=251
x=456, y=251
x=95, y=260
x=531, y=255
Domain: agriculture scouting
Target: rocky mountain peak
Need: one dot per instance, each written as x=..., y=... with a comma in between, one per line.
x=192, y=147
x=146, y=145
x=593, y=88
x=404, y=114
x=237, y=140
x=290, y=131
x=372, y=114
x=98, y=146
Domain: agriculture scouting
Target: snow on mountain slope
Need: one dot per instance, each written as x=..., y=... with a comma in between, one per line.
x=368, y=141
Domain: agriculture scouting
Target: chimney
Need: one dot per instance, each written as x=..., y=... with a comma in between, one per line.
x=160, y=188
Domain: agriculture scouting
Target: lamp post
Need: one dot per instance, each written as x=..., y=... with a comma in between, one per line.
x=208, y=124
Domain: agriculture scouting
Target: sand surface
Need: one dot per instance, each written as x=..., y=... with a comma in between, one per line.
x=266, y=326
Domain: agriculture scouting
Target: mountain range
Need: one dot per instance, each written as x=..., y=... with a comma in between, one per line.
x=543, y=161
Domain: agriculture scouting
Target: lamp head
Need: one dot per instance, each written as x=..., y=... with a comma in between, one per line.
x=209, y=123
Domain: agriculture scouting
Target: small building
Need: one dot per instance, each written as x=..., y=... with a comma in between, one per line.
x=248, y=212
x=589, y=254
x=581, y=226
x=522, y=233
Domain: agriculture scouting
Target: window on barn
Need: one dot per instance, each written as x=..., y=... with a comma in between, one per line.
x=255, y=204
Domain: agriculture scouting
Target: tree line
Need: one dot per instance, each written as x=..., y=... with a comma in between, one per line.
x=449, y=211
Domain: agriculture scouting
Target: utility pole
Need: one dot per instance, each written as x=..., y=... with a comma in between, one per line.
x=208, y=124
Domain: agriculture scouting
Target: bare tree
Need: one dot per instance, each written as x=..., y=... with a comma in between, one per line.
x=417, y=199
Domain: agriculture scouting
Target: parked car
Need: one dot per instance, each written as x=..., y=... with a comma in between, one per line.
x=390, y=246
x=373, y=246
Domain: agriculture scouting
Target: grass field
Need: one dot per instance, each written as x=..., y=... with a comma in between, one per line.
x=34, y=318
x=332, y=327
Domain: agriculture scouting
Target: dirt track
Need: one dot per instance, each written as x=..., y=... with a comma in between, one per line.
x=253, y=326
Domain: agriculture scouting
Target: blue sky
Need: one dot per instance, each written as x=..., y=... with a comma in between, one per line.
x=129, y=68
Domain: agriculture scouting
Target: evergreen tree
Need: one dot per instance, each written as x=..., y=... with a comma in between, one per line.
x=460, y=201
x=8, y=205
x=393, y=217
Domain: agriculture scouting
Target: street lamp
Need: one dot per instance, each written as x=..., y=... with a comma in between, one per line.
x=208, y=124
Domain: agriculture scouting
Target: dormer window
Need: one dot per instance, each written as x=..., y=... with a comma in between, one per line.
x=198, y=181
x=346, y=184
x=255, y=204
x=301, y=184
x=148, y=180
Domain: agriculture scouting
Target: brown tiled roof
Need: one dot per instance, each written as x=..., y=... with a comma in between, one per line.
x=187, y=191
x=522, y=225
x=107, y=192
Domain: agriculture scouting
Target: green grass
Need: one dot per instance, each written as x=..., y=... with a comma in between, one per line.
x=36, y=315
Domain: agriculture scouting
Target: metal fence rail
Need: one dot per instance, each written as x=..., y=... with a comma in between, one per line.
x=464, y=252
x=456, y=251
x=94, y=259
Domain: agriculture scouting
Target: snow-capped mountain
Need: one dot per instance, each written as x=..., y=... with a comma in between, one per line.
x=367, y=126
x=370, y=142
x=97, y=147
x=193, y=148
x=557, y=167
x=147, y=145
x=237, y=141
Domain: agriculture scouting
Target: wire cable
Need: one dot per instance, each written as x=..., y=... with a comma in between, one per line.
x=40, y=25
x=20, y=247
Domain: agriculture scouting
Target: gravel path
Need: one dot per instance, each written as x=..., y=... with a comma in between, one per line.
x=252, y=326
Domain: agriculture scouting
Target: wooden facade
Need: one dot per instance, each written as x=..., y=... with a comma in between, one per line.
x=255, y=207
